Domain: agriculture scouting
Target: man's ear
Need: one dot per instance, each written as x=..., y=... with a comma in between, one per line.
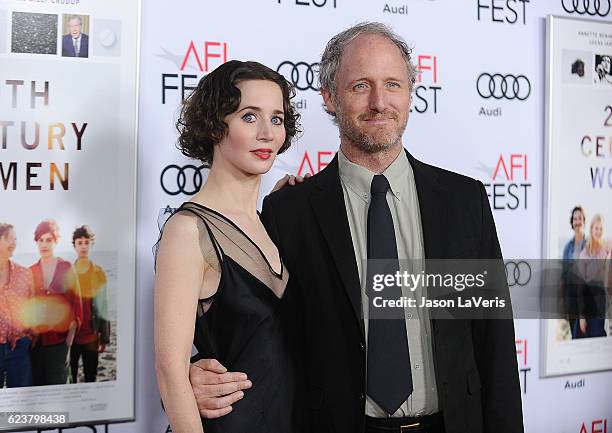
x=328, y=100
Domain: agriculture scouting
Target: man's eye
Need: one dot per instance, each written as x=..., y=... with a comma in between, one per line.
x=360, y=86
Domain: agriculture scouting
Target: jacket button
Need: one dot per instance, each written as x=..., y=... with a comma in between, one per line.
x=362, y=347
x=362, y=397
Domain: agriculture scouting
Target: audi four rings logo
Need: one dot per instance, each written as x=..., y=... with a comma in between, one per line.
x=587, y=7
x=518, y=273
x=186, y=179
x=301, y=74
x=500, y=86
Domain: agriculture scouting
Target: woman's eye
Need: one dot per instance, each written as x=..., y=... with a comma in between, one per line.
x=277, y=120
x=249, y=117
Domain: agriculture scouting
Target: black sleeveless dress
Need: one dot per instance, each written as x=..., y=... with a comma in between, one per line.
x=241, y=325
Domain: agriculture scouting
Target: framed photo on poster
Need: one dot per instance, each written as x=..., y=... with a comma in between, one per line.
x=68, y=110
x=578, y=195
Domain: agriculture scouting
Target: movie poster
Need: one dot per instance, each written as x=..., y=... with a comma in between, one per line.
x=68, y=112
x=578, y=198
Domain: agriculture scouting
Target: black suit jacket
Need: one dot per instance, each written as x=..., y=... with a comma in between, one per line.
x=475, y=360
x=68, y=46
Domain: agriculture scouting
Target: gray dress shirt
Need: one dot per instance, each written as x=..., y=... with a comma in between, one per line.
x=404, y=205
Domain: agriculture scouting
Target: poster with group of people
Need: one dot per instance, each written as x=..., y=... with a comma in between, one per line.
x=67, y=209
x=579, y=186
x=55, y=309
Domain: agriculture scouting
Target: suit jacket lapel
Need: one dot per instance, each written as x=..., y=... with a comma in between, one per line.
x=330, y=211
x=432, y=206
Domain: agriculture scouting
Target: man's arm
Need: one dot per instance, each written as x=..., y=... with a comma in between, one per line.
x=215, y=389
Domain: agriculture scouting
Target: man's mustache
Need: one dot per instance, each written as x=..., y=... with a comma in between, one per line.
x=380, y=116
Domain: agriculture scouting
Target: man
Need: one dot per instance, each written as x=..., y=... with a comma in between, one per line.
x=94, y=333
x=423, y=375
x=75, y=43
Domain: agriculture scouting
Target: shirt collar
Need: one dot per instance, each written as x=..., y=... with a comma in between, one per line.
x=359, y=178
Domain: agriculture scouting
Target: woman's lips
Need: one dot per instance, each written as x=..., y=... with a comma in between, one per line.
x=262, y=153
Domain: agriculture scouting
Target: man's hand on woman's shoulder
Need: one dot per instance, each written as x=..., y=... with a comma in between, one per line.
x=289, y=179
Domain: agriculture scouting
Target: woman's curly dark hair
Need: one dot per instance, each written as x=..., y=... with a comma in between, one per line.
x=201, y=125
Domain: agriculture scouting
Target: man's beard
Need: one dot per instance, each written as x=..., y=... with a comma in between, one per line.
x=370, y=142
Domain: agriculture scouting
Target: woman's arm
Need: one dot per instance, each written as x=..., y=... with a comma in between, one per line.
x=180, y=269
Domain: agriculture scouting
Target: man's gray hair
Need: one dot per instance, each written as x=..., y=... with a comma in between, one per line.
x=76, y=17
x=330, y=61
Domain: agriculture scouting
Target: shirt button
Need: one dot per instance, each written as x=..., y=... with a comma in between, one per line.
x=409, y=315
x=417, y=366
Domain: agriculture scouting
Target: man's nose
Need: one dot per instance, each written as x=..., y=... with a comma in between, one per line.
x=377, y=99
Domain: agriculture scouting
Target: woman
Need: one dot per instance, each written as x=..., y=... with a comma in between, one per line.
x=58, y=297
x=15, y=290
x=593, y=268
x=94, y=332
x=571, y=252
x=215, y=261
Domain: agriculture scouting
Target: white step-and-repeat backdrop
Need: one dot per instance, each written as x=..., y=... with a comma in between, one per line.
x=478, y=109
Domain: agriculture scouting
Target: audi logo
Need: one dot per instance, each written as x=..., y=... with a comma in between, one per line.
x=301, y=74
x=498, y=86
x=518, y=273
x=587, y=7
x=187, y=179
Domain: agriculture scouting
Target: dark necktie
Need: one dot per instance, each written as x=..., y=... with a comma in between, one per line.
x=389, y=381
x=76, y=47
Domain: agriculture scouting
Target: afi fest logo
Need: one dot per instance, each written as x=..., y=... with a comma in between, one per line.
x=595, y=426
x=200, y=57
x=503, y=11
x=427, y=86
x=509, y=186
x=314, y=162
x=524, y=370
x=593, y=8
